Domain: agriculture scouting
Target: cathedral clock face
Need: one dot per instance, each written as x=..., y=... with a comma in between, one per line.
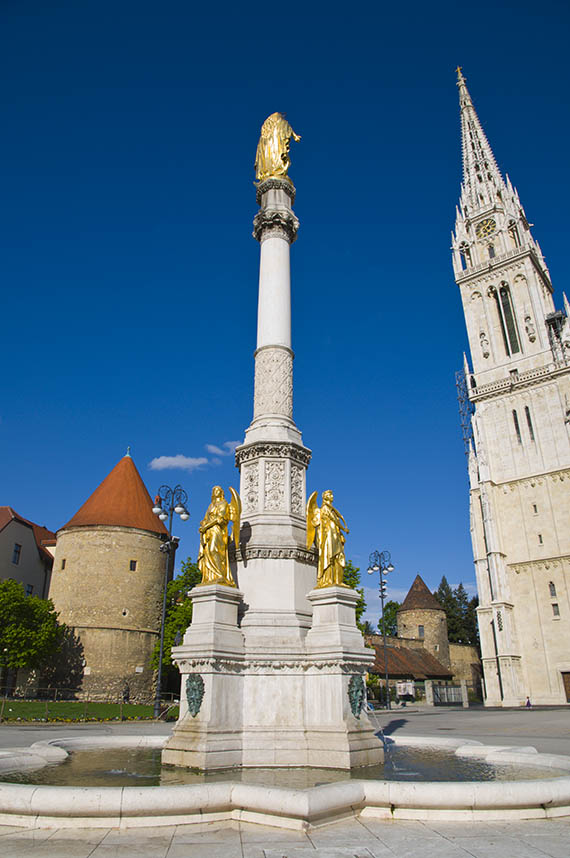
x=485, y=228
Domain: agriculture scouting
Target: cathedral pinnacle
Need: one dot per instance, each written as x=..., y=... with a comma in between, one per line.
x=482, y=180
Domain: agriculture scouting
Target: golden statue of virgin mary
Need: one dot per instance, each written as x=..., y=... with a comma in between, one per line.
x=272, y=156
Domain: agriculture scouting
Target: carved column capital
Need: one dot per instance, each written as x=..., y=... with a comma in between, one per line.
x=271, y=223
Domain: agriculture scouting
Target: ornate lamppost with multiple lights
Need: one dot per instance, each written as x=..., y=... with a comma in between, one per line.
x=380, y=561
x=167, y=502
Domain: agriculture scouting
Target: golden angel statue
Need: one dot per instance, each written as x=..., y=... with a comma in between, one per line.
x=272, y=156
x=330, y=539
x=213, y=560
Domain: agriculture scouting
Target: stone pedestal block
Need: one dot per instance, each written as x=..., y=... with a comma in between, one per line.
x=339, y=732
x=208, y=732
x=334, y=628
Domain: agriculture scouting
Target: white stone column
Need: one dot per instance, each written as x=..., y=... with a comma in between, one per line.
x=274, y=307
x=273, y=566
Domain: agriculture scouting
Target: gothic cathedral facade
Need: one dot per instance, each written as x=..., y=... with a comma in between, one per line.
x=519, y=454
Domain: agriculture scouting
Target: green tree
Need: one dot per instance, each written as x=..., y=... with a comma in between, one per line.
x=368, y=628
x=352, y=579
x=471, y=622
x=390, y=618
x=462, y=603
x=445, y=596
x=178, y=617
x=29, y=630
x=460, y=612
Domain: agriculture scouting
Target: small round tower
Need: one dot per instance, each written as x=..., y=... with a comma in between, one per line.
x=422, y=617
x=107, y=584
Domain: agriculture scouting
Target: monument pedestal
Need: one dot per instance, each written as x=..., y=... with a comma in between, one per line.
x=296, y=708
x=339, y=732
x=208, y=732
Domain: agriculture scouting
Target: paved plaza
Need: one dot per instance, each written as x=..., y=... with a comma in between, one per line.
x=547, y=729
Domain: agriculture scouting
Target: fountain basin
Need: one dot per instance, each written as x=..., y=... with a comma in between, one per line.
x=125, y=807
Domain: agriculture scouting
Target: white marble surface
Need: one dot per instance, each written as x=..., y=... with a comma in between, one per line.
x=346, y=839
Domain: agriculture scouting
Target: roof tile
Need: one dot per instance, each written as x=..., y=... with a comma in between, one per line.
x=420, y=598
x=121, y=500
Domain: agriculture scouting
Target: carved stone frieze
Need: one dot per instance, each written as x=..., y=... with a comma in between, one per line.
x=274, y=450
x=274, y=499
x=260, y=552
x=301, y=665
x=297, y=492
x=544, y=565
x=533, y=482
x=271, y=222
x=273, y=382
x=276, y=185
x=250, y=487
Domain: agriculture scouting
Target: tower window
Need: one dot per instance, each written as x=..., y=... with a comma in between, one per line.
x=420, y=631
x=63, y=562
x=529, y=422
x=465, y=254
x=552, y=589
x=514, y=234
x=491, y=251
x=517, y=427
x=540, y=540
x=133, y=565
x=509, y=318
x=16, y=554
x=29, y=589
x=505, y=310
x=555, y=610
x=535, y=509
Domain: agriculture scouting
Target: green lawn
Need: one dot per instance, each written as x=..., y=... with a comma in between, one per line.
x=60, y=710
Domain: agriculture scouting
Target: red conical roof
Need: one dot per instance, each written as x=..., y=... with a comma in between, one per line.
x=122, y=500
x=420, y=598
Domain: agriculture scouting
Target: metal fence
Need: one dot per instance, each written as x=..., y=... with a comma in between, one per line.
x=447, y=695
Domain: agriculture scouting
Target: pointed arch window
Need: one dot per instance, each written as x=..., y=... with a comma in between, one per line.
x=465, y=255
x=529, y=422
x=514, y=234
x=507, y=319
x=517, y=426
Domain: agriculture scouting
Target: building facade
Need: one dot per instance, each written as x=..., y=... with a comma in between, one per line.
x=107, y=585
x=519, y=455
x=26, y=552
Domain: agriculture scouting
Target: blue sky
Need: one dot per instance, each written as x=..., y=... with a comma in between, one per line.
x=129, y=274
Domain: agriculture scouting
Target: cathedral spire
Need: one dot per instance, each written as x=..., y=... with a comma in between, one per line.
x=482, y=180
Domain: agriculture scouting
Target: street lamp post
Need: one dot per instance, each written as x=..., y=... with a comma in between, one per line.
x=380, y=561
x=167, y=502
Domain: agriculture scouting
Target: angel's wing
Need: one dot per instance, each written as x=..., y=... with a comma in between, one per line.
x=311, y=508
x=235, y=515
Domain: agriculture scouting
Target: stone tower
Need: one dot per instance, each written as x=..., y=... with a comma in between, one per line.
x=421, y=616
x=519, y=460
x=107, y=584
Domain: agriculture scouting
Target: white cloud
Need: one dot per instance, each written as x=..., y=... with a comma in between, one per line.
x=230, y=447
x=179, y=462
x=189, y=463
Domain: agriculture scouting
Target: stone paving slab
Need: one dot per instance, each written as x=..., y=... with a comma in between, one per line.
x=348, y=839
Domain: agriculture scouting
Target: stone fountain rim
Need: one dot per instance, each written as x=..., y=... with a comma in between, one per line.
x=32, y=806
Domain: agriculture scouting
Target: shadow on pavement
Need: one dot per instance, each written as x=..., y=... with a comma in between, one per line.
x=394, y=725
